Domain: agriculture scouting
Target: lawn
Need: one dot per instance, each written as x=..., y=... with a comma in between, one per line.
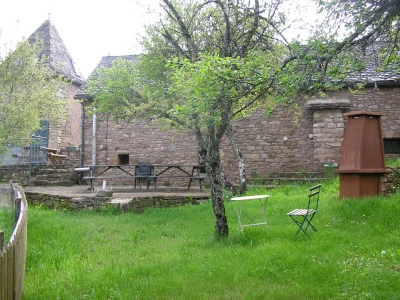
x=172, y=253
x=6, y=221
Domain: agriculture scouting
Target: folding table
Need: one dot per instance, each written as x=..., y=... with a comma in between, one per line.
x=251, y=219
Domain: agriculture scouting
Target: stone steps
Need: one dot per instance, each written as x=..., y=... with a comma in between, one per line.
x=42, y=182
x=52, y=171
x=55, y=175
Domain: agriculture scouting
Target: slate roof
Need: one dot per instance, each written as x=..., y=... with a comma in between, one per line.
x=106, y=62
x=372, y=74
x=55, y=51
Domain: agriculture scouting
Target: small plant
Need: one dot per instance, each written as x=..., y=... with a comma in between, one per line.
x=256, y=179
x=36, y=168
x=330, y=163
x=329, y=169
x=191, y=200
x=167, y=183
x=393, y=162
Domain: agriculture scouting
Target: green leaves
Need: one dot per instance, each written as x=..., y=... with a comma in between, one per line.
x=29, y=91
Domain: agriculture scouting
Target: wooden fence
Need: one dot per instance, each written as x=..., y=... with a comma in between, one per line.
x=13, y=255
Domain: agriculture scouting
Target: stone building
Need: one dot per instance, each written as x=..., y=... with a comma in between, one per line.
x=290, y=140
x=59, y=60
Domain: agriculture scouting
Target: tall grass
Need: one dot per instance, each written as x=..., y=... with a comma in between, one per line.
x=6, y=221
x=172, y=253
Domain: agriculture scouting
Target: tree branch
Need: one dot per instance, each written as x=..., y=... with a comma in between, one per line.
x=185, y=32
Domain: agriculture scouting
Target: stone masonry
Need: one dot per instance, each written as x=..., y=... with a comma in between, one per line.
x=66, y=134
x=295, y=139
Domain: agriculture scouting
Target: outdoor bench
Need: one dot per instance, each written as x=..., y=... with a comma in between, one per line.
x=149, y=175
x=91, y=178
x=200, y=179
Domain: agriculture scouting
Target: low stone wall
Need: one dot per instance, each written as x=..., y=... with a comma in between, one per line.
x=285, y=178
x=390, y=182
x=136, y=204
x=139, y=204
x=64, y=202
x=17, y=173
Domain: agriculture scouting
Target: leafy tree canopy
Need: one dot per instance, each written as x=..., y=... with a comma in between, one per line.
x=366, y=22
x=28, y=92
x=207, y=62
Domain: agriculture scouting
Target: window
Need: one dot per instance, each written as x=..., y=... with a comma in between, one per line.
x=123, y=159
x=392, y=146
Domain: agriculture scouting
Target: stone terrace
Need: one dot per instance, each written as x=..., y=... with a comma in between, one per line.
x=125, y=198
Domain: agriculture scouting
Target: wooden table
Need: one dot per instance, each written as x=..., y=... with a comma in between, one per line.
x=156, y=171
x=101, y=175
x=193, y=175
x=259, y=218
x=54, y=157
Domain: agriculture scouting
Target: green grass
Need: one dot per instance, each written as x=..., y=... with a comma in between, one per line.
x=6, y=222
x=172, y=253
x=392, y=162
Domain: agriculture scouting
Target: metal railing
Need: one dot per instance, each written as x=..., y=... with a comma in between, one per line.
x=33, y=152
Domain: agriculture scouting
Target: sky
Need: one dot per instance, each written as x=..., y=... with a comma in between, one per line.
x=90, y=29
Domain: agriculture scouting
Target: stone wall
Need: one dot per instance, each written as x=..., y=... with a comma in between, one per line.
x=385, y=100
x=328, y=129
x=63, y=202
x=136, y=204
x=73, y=157
x=299, y=139
x=272, y=144
x=17, y=173
x=390, y=182
x=20, y=173
x=66, y=134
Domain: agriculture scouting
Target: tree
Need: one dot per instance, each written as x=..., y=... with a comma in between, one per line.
x=366, y=22
x=206, y=64
x=28, y=92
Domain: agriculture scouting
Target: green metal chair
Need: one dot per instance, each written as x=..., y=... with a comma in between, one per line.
x=143, y=170
x=303, y=217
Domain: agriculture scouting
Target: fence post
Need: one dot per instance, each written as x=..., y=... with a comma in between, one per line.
x=1, y=239
x=17, y=210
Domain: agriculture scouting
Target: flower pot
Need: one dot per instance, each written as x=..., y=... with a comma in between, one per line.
x=329, y=171
x=103, y=193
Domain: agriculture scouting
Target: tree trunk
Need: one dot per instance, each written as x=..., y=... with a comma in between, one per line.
x=221, y=222
x=213, y=168
x=239, y=158
x=209, y=157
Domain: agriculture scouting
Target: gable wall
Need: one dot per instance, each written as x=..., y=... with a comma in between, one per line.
x=312, y=137
x=69, y=133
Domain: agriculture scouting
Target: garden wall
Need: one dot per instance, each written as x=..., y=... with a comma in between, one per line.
x=17, y=173
x=20, y=173
x=137, y=204
x=390, y=182
x=64, y=202
x=300, y=139
x=68, y=133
